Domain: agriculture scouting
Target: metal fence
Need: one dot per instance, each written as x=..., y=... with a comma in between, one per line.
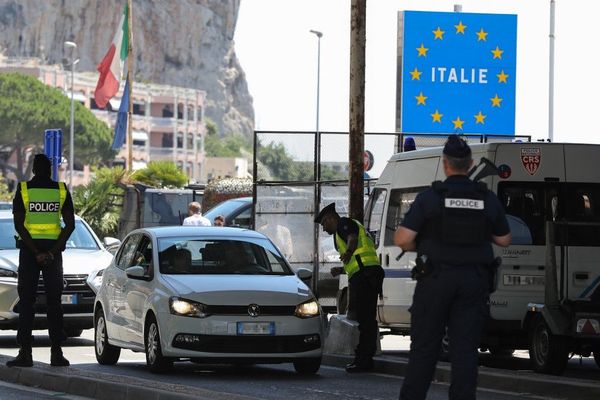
x=298, y=173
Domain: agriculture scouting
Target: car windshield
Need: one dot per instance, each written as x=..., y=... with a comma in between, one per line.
x=81, y=238
x=193, y=256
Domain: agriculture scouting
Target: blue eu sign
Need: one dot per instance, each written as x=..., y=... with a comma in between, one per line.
x=458, y=73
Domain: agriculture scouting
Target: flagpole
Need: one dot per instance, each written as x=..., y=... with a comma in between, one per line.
x=130, y=74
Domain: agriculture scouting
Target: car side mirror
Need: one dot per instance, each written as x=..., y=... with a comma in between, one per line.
x=137, y=272
x=111, y=241
x=304, y=274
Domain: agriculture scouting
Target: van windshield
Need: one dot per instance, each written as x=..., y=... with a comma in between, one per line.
x=529, y=205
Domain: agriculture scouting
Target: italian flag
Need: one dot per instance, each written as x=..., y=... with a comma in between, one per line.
x=112, y=63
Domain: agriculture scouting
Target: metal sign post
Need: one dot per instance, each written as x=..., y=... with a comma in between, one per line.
x=53, y=149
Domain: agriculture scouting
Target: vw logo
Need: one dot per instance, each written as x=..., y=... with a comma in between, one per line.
x=65, y=283
x=253, y=310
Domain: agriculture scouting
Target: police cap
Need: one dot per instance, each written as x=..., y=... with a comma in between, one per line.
x=328, y=209
x=457, y=147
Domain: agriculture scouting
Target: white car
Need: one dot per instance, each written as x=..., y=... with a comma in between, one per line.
x=84, y=259
x=206, y=294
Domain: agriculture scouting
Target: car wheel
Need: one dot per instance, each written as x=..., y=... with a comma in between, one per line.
x=549, y=353
x=72, y=332
x=307, y=365
x=106, y=353
x=155, y=360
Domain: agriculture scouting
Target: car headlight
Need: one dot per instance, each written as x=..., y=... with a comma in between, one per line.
x=7, y=273
x=308, y=309
x=95, y=280
x=187, y=308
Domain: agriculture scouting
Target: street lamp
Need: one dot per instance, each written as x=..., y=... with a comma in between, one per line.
x=73, y=47
x=319, y=35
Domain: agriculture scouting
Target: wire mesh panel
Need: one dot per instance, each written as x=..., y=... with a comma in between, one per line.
x=284, y=156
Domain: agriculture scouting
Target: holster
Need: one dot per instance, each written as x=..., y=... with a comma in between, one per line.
x=422, y=268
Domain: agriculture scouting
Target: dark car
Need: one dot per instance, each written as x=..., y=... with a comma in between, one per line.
x=237, y=212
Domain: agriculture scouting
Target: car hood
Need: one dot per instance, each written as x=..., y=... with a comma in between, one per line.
x=75, y=261
x=240, y=289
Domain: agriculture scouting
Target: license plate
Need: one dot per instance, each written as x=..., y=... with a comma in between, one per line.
x=69, y=299
x=255, y=328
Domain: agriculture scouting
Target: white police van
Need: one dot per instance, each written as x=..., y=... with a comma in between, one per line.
x=552, y=315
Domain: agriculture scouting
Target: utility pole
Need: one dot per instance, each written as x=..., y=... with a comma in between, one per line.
x=358, y=14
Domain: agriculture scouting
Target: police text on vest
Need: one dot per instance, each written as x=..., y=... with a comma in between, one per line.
x=470, y=204
x=42, y=206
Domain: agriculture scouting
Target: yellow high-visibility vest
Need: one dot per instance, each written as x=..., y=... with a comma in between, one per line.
x=365, y=250
x=43, y=210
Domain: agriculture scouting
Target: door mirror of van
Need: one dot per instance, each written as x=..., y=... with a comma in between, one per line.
x=304, y=274
x=483, y=169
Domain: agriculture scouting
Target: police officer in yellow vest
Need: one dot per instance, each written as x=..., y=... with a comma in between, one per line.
x=37, y=208
x=365, y=277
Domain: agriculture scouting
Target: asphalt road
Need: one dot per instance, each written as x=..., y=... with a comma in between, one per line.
x=267, y=381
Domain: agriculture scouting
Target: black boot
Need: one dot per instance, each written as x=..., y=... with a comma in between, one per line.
x=360, y=364
x=57, y=359
x=23, y=359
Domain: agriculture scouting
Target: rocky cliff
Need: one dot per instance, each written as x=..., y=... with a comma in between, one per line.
x=180, y=42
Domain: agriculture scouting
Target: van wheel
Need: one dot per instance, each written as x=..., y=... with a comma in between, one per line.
x=307, y=366
x=106, y=353
x=342, y=301
x=548, y=353
x=155, y=360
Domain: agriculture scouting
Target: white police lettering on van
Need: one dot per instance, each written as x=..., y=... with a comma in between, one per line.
x=469, y=204
x=43, y=206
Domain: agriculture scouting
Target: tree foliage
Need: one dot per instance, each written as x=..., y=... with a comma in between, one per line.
x=97, y=202
x=28, y=107
x=161, y=174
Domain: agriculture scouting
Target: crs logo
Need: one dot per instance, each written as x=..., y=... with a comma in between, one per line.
x=531, y=158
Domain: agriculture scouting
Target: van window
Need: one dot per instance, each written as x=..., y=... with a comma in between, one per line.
x=529, y=205
x=374, y=214
x=399, y=204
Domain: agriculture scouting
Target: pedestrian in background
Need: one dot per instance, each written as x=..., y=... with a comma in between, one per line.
x=219, y=220
x=365, y=279
x=37, y=209
x=452, y=226
x=195, y=215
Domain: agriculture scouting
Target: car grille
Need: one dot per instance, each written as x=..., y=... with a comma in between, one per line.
x=76, y=285
x=243, y=310
x=249, y=344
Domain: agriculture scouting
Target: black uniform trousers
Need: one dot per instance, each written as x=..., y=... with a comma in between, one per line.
x=365, y=287
x=453, y=297
x=29, y=274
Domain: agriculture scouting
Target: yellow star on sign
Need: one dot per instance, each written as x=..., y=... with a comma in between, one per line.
x=458, y=123
x=437, y=117
x=496, y=101
x=460, y=28
x=497, y=53
x=482, y=35
x=421, y=99
x=438, y=34
x=479, y=118
x=422, y=51
x=502, y=77
x=416, y=74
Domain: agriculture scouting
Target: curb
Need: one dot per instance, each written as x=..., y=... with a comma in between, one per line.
x=524, y=382
x=103, y=386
